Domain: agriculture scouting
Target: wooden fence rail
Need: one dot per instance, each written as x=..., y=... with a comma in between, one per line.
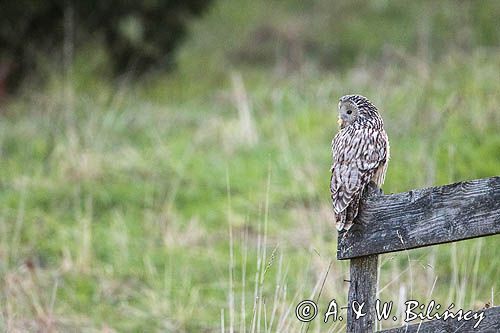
x=403, y=221
x=490, y=323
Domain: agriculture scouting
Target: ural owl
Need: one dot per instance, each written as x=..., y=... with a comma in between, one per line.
x=360, y=155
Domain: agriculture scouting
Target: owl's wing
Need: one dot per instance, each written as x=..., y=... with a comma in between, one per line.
x=357, y=153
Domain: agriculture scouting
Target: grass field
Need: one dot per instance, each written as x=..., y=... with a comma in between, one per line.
x=198, y=200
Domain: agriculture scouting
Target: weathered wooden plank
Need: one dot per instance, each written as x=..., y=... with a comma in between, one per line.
x=362, y=289
x=490, y=324
x=396, y=222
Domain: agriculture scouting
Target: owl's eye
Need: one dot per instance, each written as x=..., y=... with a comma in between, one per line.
x=349, y=111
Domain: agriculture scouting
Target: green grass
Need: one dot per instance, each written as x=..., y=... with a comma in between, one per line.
x=157, y=206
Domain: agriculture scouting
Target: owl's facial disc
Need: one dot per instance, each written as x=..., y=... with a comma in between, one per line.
x=348, y=113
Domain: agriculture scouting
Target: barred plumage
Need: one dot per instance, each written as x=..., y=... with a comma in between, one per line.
x=360, y=155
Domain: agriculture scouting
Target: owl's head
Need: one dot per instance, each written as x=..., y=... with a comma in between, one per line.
x=356, y=109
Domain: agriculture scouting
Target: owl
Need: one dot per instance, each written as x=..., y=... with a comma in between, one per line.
x=360, y=155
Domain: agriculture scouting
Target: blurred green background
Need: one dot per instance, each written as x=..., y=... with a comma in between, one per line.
x=192, y=195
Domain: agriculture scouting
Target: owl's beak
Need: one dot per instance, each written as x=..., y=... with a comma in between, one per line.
x=340, y=122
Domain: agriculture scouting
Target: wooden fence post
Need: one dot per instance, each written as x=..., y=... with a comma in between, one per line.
x=404, y=221
x=362, y=289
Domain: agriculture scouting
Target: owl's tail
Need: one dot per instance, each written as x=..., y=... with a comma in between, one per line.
x=342, y=223
x=344, y=220
x=340, y=220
